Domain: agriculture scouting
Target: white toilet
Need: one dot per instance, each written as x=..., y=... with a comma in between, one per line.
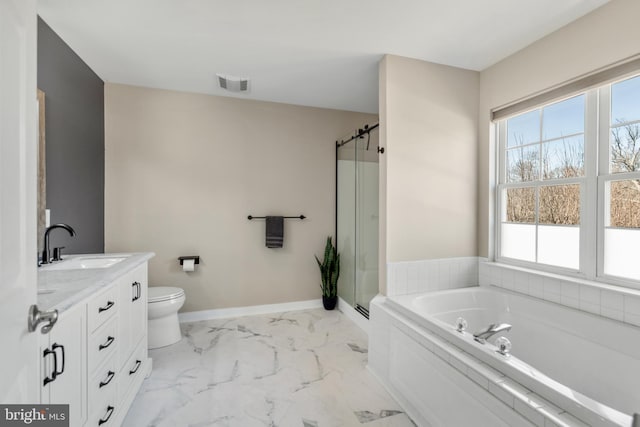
x=164, y=303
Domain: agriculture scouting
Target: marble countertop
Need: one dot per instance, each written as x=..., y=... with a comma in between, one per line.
x=62, y=289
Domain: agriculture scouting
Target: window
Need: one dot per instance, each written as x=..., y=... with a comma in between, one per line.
x=542, y=180
x=569, y=185
x=621, y=181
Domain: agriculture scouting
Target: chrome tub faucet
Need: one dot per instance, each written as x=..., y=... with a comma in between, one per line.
x=491, y=330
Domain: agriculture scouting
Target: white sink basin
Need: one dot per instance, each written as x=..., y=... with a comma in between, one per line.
x=85, y=263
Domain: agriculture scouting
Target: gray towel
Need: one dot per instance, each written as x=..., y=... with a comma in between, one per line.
x=274, y=236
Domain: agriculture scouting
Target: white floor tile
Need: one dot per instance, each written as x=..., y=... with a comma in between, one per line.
x=305, y=368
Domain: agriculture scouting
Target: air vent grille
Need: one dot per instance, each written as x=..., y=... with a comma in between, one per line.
x=233, y=83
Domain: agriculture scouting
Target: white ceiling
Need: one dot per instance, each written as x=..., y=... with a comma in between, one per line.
x=321, y=53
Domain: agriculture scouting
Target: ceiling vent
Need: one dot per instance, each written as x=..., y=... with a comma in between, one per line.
x=232, y=83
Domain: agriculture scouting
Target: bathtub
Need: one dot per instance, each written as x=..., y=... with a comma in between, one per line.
x=584, y=364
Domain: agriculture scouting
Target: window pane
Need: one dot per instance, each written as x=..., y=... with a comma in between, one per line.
x=625, y=101
x=523, y=129
x=563, y=118
x=560, y=204
x=559, y=246
x=563, y=158
x=624, y=203
x=621, y=253
x=520, y=205
x=625, y=148
x=519, y=241
x=523, y=164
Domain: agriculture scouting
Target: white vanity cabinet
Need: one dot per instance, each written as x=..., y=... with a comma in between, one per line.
x=63, y=372
x=95, y=357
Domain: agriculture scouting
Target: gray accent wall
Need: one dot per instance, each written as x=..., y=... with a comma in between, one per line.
x=75, y=143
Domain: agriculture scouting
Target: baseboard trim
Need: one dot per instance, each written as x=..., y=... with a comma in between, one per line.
x=223, y=313
x=353, y=315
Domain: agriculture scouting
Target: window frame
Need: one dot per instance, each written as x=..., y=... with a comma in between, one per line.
x=586, y=268
x=597, y=174
x=604, y=176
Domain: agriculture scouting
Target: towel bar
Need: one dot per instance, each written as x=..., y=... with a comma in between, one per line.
x=250, y=217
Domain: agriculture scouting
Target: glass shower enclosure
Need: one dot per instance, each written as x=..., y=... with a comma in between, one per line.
x=357, y=217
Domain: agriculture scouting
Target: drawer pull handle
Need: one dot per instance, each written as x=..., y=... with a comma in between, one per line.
x=107, y=415
x=135, y=369
x=136, y=291
x=53, y=376
x=107, y=343
x=54, y=347
x=106, y=307
x=110, y=376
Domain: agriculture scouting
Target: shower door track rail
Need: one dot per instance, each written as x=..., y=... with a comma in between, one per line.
x=361, y=132
x=360, y=309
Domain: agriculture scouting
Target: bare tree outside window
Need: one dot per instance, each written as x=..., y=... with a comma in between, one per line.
x=558, y=204
x=624, y=195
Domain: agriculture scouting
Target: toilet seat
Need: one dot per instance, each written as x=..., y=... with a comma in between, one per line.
x=164, y=293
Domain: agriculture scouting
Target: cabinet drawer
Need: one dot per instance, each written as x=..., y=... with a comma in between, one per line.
x=103, y=384
x=105, y=412
x=132, y=369
x=101, y=308
x=102, y=344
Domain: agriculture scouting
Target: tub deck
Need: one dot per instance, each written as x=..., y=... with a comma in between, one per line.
x=585, y=364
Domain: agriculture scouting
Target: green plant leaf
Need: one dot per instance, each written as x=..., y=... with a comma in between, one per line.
x=329, y=269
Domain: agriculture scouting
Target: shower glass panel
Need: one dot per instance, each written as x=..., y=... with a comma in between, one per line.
x=346, y=220
x=366, y=219
x=357, y=219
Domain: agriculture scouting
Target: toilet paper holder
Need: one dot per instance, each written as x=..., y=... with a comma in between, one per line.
x=196, y=259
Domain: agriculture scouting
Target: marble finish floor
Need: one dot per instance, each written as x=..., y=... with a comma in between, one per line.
x=304, y=368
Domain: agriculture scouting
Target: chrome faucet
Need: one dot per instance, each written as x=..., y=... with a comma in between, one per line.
x=46, y=258
x=494, y=328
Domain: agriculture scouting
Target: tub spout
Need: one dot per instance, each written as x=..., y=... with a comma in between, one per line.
x=491, y=330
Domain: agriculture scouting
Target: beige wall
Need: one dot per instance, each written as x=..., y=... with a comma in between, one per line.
x=605, y=36
x=429, y=122
x=183, y=171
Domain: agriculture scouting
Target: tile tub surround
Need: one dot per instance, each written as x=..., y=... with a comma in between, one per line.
x=613, y=302
x=410, y=277
x=305, y=368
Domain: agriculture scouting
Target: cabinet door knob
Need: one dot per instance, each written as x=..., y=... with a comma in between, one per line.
x=52, y=378
x=110, y=376
x=107, y=343
x=54, y=347
x=106, y=307
x=107, y=415
x=136, y=367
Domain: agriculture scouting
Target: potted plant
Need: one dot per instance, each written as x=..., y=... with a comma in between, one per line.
x=329, y=273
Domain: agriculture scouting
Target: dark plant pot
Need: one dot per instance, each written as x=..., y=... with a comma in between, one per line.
x=329, y=302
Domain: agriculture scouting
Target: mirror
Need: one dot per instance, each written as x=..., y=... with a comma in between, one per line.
x=42, y=170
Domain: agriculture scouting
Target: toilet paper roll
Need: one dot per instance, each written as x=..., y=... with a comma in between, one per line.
x=188, y=265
